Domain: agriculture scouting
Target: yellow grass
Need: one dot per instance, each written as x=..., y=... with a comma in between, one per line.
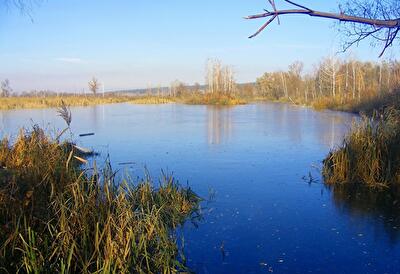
x=58, y=216
x=212, y=99
x=151, y=100
x=56, y=101
x=8, y=103
x=369, y=155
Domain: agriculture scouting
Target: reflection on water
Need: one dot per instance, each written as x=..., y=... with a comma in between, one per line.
x=264, y=215
x=363, y=203
x=96, y=115
x=219, y=127
x=286, y=121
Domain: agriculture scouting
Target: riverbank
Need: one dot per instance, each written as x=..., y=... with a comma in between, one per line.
x=367, y=106
x=364, y=106
x=9, y=103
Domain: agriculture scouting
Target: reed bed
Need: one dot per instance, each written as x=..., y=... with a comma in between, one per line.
x=212, y=99
x=152, y=100
x=378, y=103
x=369, y=155
x=334, y=103
x=7, y=103
x=366, y=106
x=58, y=217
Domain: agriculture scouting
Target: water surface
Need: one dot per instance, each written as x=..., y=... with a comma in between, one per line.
x=258, y=160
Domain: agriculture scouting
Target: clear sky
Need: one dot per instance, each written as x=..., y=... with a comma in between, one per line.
x=136, y=44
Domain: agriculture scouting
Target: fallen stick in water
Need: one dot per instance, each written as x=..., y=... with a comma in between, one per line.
x=126, y=163
x=86, y=134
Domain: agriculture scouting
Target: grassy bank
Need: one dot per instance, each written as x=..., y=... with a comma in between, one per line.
x=366, y=106
x=7, y=103
x=57, y=217
x=369, y=155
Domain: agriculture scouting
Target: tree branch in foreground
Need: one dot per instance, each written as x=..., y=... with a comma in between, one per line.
x=391, y=25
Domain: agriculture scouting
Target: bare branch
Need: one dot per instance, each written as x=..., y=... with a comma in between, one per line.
x=373, y=19
x=264, y=26
x=297, y=5
x=389, y=41
x=361, y=37
x=341, y=17
x=272, y=2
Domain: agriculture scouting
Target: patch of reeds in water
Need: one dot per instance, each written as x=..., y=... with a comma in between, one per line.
x=369, y=155
x=57, y=217
x=212, y=99
x=149, y=100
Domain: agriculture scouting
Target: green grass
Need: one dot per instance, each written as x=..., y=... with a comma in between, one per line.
x=369, y=155
x=58, y=217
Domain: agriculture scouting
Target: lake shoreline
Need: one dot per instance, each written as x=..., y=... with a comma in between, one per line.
x=263, y=205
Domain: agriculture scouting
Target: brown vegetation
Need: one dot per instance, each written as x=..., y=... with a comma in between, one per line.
x=57, y=217
x=370, y=154
x=48, y=101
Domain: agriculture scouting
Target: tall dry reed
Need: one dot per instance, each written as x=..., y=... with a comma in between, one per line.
x=58, y=217
x=369, y=155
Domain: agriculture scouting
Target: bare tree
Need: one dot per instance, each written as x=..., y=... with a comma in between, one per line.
x=219, y=79
x=379, y=20
x=94, y=85
x=5, y=89
x=329, y=73
x=178, y=88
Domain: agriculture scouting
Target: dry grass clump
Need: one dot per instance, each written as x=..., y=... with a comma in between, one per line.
x=370, y=154
x=56, y=217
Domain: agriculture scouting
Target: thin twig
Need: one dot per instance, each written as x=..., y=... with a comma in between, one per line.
x=298, y=5
x=263, y=26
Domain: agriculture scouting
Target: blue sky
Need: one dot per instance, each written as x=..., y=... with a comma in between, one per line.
x=136, y=44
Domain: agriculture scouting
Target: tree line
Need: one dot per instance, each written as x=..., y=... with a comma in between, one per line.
x=348, y=80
